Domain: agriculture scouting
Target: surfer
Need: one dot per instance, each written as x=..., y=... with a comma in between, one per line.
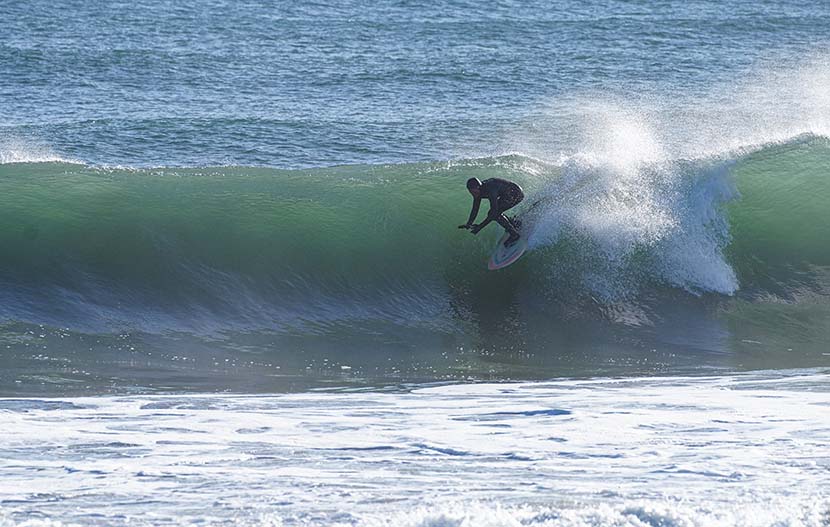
x=503, y=195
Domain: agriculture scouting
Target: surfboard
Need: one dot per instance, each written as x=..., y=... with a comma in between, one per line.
x=504, y=256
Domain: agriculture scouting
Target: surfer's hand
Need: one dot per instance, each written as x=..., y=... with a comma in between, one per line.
x=475, y=228
x=465, y=226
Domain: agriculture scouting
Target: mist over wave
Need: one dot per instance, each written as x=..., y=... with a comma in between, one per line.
x=655, y=170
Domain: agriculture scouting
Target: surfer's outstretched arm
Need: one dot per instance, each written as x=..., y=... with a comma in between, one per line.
x=493, y=197
x=473, y=213
x=491, y=216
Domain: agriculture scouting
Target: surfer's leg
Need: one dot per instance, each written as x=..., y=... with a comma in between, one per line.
x=510, y=225
x=507, y=202
x=505, y=222
x=510, y=200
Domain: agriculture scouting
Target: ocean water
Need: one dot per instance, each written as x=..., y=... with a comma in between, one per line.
x=232, y=290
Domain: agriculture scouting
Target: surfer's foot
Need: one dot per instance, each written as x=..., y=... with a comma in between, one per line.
x=511, y=240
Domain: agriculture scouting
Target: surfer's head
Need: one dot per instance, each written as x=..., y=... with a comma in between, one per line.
x=474, y=186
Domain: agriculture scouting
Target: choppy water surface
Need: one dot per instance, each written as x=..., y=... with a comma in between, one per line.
x=154, y=82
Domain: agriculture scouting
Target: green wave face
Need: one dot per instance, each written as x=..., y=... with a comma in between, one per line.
x=316, y=245
x=781, y=221
x=781, y=253
x=370, y=255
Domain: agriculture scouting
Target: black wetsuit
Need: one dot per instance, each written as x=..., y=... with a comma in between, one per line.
x=503, y=195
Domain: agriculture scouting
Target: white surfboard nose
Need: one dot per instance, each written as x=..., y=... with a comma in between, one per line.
x=504, y=256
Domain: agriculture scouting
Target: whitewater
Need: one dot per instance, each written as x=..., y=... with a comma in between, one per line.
x=744, y=450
